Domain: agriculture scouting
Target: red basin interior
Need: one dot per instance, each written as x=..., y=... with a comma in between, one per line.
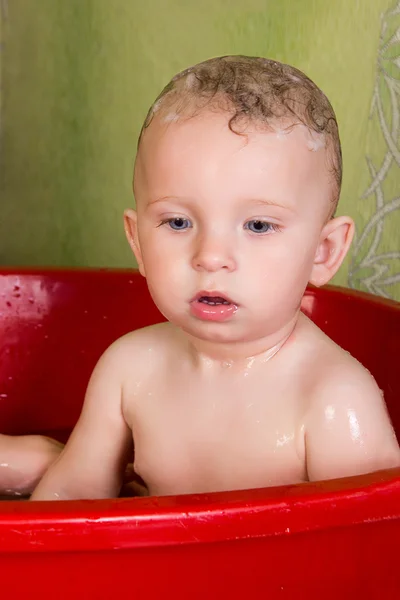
x=326, y=539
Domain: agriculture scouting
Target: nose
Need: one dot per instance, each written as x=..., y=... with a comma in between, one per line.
x=214, y=253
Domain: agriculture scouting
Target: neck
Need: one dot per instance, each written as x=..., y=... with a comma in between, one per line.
x=239, y=355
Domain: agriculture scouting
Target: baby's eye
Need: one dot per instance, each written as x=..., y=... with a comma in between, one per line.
x=257, y=226
x=177, y=223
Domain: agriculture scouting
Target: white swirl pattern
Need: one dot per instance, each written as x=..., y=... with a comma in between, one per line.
x=374, y=267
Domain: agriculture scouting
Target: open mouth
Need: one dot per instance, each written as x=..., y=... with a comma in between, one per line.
x=213, y=300
x=213, y=306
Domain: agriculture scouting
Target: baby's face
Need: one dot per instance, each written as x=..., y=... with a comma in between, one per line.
x=239, y=217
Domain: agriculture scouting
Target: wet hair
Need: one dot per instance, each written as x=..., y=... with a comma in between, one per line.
x=258, y=92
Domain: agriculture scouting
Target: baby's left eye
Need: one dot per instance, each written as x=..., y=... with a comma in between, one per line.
x=257, y=226
x=177, y=223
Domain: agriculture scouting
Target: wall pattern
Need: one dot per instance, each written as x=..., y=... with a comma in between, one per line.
x=375, y=265
x=77, y=77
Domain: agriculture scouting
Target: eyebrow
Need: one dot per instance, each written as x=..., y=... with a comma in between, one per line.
x=165, y=198
x=266, y=202
x=256, y=202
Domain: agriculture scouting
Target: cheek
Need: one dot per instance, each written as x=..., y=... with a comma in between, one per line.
x=283, y=264
x=165, y=268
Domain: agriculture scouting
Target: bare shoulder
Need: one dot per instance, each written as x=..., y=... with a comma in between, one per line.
x=141, y=351
x=333, y=372
x=347, y=424
x=161, y=335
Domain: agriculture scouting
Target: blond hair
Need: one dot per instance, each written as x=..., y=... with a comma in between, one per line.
x=253, y=90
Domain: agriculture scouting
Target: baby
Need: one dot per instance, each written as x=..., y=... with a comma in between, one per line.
x=236, y=181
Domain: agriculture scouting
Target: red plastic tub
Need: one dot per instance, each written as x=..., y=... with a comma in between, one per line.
x=337, y=539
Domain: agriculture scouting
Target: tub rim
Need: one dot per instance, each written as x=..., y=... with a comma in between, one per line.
x=132, y=523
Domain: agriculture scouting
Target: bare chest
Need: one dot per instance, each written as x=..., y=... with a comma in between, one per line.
x=190, y=440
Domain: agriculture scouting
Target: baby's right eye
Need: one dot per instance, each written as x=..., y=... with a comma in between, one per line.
x=177, y=223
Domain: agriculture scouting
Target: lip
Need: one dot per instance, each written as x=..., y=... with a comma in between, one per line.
x=208, y=312
x=214, y=294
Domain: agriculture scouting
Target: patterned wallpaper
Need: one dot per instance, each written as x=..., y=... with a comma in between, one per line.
x=77, y=77
x=375, y=264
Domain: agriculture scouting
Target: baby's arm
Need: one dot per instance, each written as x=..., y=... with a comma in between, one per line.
x=23, y=461
x=348, y=429
x=93, y=461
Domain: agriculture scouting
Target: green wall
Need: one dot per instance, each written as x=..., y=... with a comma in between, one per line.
x=79, y=75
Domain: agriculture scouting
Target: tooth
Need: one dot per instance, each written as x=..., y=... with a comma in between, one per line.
x=213, y=302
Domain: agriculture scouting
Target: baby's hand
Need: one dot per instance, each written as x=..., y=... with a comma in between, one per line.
x=132, y=485
x=23, y=462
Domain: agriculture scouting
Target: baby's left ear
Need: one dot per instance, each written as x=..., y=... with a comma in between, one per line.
x=334, y=243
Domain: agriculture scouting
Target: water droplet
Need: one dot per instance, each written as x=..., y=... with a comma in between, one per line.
x=227, y=364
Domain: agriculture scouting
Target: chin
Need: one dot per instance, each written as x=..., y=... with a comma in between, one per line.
x=225, y=333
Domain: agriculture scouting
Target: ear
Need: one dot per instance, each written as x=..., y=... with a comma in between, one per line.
x=131, y=231
x=334, y=243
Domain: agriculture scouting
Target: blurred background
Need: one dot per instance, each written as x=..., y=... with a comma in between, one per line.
x=77, y=78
